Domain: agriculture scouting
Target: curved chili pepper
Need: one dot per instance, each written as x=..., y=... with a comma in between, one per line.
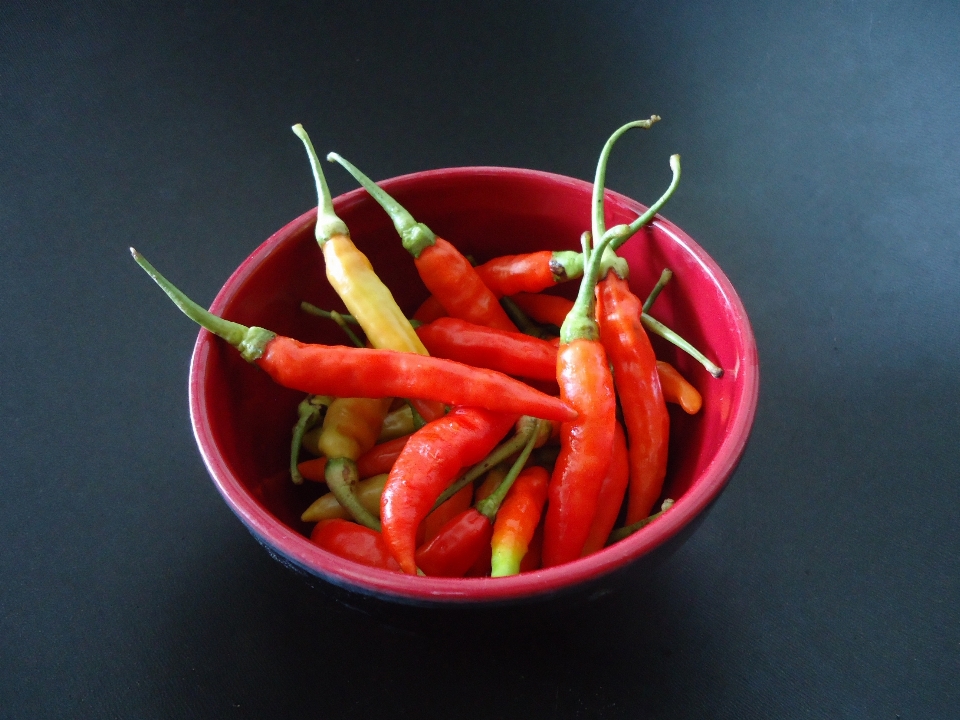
x=351, y=426
x=313, y=469
x=462, y=542
x=530, y=272
x=517, y=521
x=429, y=462
x=353, y=542
x=445, y=271
x=611, y=495
x=440, y=515
x=327, y=507
x=586, y=443
x=551, y=309
x=508, y=352
x=308, y=414
x=533, y=557
x=359, y=372
x=676, y=388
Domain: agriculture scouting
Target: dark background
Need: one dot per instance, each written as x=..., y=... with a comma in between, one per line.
x=821, y=171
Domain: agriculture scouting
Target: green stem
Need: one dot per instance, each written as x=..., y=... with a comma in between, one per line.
x=342, y=476
x=626, y=531
x=342, y=322
x=309, y=411
x=519, y=317
x=625, y=232
x=665, y=277
x=328, y=224
x=250, y=341
x=491, y=504
x=416, y=237
x=658, y=328
x=598, y=218
x=580, y=323
x=528, y=427
x=328, y=314
x=566, y=265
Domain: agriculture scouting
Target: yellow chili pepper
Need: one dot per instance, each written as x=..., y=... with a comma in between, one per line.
x=351, y=426
x=327, y=506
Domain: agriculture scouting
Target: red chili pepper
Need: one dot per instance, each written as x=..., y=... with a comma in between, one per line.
x=637, y=382
x=353, y=542
x=532, y=560
x=676, y=388
x=314, y=469
x=431, y=460
x=550, y=309
x=611, y=495
x=517, y=521
x=586, y=443
x=429, y=310
x=461, y=544
x=367, y=372
x=507, y=352
x=445, y=271
x=380, y=458
x=458, y=502
x=531, y=272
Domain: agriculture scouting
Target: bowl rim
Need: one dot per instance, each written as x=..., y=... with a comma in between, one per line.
x=297, y=550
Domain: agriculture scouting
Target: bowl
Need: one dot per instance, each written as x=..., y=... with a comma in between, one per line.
x=242, y=420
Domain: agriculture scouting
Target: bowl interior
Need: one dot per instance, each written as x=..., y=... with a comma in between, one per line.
x=242, y=420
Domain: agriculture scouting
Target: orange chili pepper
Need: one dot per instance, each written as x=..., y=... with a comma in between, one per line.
x=611, y=495
x=676, y=388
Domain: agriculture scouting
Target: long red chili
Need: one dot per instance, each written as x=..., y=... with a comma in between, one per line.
x=445, y=271
x=530, y=272
x=367, y=372
x=517, y=521
x=507, y=352
x=430, y=461
x=550, y=309
x=611, y=495
x=586, y=443
x=353, y=542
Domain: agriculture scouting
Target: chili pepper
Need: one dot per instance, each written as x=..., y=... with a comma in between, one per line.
x=439, y=516
x=586, y=443
x=380, y=458
x=353, y=542
x=611, y=495
x=676, y=388
x=534, y=555
x=428, y=463
x=466, y=537
x=551, y=309
x=359, y=372
x=309, y=411
x=620, y=533
x=351, y=426
x=429, y=310
x=530, y=272
x=444, y=270
x=352, y=276
x=517, y=520
x=512, y=353
x=327, y=506
x=313, y=469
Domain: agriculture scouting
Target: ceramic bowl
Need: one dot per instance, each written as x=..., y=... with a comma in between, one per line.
x=242, y=420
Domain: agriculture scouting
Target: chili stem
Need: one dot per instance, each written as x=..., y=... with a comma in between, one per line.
x=328, y=224
x=520, y=319
x=665, y=277
x=342, y=476
x=580, y=323
x=658, y=328
x=627, y=530
x=309, y=411
x=339, y=320
x=625, y=232
x=489, y=505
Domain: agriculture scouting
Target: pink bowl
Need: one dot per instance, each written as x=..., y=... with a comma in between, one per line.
x=242, y=420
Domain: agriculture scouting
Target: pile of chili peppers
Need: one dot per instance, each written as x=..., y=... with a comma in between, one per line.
x=500, y=429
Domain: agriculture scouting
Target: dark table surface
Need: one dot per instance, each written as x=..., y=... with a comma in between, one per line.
x=821, y=171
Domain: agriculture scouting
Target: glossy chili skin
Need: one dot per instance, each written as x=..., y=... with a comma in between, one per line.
x=586, y=444
x=612, y=494
x=510, y=274
x=511, y=353
x=437, y=518
x=455, y=549
x=638, y=384
x=429, y=463
x=359, y=372
x=677, y=389
x=456, y=285
x=380, y=458
x=353, y=542
x=550, y=309
x=517, y=521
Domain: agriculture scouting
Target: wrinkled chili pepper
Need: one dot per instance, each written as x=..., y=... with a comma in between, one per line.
x=508, y=352
x=353, y=542
x=611, y=495
x=586, y=443
x=676, y=388
x=463, y=540
x=429, y=463
x=358, y=372
x=445, y=271
x=517, y=521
